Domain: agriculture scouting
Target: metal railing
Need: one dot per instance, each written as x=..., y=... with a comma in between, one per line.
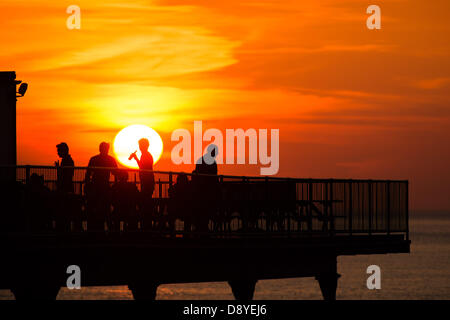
x=223, y=206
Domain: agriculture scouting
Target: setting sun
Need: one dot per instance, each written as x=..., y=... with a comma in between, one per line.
x=126, y=142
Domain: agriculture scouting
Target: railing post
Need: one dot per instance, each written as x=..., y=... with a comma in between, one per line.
x=350, y=209
x=288, y=215
x=407, y=210
x=160, y=188
x=388, y=200
x=245, y=223
x=220, y=207
x=27, y=174
x=310, y=199
x=267, y=204
x=370, y=207
x=170, y=179
x=331, y=209
x=325, y=212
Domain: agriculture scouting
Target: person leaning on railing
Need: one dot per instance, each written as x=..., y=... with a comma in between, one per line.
x=204, y=183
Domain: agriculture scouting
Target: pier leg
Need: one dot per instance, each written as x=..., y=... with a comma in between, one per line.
x=145, y=291
x=26, y=292
x=243, y=289
x=328, y=285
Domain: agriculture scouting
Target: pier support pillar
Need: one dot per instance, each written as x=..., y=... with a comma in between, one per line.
x=27, y=292
x=144, y=291
x=41, y=282
x=243, y=290
x=328, y=285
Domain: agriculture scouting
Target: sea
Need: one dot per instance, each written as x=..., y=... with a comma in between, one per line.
x=422, y=274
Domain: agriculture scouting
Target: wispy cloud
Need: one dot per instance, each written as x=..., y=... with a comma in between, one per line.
x=435, y=83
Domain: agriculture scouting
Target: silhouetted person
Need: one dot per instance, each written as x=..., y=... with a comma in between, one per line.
x=124, y=200
x=65, y=168
x=39, y=204
x=97, y=187
x=100, y=177
x=13, y=206
x=205, y=187
x=180, y=205
x=145, y=163
x=68, y=205
x=147, y=181
x=207, y=163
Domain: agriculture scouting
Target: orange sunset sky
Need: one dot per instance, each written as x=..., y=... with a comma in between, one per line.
x=348, y=101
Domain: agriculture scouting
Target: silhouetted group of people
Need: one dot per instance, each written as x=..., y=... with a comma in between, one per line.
x=120, y=204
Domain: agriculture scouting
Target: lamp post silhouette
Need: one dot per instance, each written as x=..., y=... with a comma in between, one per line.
x=22, y=89
x=8, y=99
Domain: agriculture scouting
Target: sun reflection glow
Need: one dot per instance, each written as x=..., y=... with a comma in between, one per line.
x=126, y=142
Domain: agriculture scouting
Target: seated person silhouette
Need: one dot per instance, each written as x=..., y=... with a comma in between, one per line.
x=181, y=202
x=207, y=163
x=205, y=188
x=39, y=204
x=147, y=180
x=65, y=169
x=124, y=200
x=13, y=207
x=97, y=188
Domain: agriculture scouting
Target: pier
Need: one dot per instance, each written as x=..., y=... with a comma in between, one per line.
x=257, y=228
